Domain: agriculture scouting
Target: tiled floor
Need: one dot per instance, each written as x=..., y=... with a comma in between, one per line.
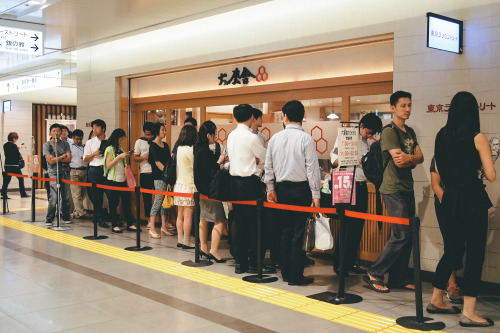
x=46, y=286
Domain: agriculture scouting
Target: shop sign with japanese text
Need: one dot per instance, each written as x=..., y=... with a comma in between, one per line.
x=348, y=146
x=243, y=76
x=483, y=106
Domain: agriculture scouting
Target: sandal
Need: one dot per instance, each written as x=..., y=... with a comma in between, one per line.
x=373, y=283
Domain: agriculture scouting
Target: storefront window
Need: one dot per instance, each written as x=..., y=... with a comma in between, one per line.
x=378, y=104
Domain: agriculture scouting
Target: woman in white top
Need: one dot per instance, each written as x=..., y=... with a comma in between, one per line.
x=114, y=171
x=185, y=184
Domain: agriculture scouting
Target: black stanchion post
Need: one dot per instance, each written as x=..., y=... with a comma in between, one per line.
x=5, y=204
x=196, y=219
x=33, y=186
x=419, y=321
x=259, y=278
x=94, y=219
x=138, y=246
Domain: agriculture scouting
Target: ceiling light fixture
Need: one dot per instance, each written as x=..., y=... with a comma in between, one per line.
x=332, y=116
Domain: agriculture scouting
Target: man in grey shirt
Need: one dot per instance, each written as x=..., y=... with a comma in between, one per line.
x=55, y=164
x=293, y=177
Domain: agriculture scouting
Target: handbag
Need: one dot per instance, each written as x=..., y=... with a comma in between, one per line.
x=323, y=239
x=168, y=202
x=308, y=244
x=219, y=188
x=169, y=175
x=130, y=178
x=21, y=162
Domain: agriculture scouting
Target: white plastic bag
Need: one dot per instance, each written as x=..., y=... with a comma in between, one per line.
x=323, y=236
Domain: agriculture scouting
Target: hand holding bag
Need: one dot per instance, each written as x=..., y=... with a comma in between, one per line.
x=168, y=202
x=130, y=177
x=308, y=245
x=322, y=234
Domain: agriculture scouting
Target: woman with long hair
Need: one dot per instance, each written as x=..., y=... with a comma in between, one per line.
x=460, y=151
x=206, y=162
x=115, y=163
x=159, y=155
x=185, y=184
x=12, y=157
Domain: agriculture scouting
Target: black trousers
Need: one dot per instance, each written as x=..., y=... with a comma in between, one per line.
x=244, y=233
x=354, y=229
x=465, y=233
x=6, y=179
x=147, y=182
x=292, y=228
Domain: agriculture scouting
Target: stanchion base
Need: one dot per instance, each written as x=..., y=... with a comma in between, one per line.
x=8, y=213
x=33, y=221
x=255, y=279
x=60, y=228
x=95, y=237
x=330, y=297
x=202, y=263
x=412, y=323
x=138, y=248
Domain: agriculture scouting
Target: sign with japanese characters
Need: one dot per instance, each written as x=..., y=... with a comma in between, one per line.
x=341, y=187
x=483, y=106
x=16, y=40
x=243, y=76
x=348, y=146
x=33, y=82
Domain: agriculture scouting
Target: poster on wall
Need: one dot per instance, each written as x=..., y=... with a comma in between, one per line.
x=69, y=123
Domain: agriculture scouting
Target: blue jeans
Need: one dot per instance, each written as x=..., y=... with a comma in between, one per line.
x=65, y=191
x=395, y=256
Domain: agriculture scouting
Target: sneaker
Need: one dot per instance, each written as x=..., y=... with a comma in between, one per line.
x=48, y=221
x=454, y=295
x=67, y=220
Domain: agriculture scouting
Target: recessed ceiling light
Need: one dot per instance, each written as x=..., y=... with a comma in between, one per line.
x=358, y=100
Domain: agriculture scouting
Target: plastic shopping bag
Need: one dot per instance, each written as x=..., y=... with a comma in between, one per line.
x=323, y=236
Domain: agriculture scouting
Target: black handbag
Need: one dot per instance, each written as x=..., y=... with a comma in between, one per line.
x=219, y=187
x=169, y=175
x=21, y=162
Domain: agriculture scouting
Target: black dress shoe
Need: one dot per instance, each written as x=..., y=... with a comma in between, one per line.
x=129, y=228
x=265, y=269
x=25, y=196
x=187, y=247
x=305, y=280
x=337, y=271
x=103, y=224
x=309, y=262
x=179, y=245
x=212, y=257
x=116, y=231
x=357, y=270
x=240, y=269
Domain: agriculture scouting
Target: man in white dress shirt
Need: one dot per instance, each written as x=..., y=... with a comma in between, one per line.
x=93, y=156
x=244, y=150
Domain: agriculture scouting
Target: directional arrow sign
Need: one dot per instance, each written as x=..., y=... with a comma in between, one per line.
x=18, y=40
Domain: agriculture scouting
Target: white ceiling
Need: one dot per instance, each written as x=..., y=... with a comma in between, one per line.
x=69, y=25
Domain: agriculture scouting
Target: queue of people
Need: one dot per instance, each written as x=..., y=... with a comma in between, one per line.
x=288, y=172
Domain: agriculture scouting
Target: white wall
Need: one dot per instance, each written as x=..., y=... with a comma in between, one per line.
x=18, y=120
x=279, y=25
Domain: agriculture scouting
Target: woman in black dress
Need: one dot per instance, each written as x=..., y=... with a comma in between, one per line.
x=12, y=157
x=460, y=151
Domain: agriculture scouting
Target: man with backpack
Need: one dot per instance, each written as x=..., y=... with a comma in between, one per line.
x=369, y=125
x=400, y=154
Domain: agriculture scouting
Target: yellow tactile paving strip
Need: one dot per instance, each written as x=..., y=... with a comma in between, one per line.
x=344, y=315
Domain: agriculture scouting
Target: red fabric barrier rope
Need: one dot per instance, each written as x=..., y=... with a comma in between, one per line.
x=388, y=219
x=301, y=208
x=249, y=203
x=173, y=194
x=116, y=188
x=76, y=183
x=44, y=179
x=17, y=175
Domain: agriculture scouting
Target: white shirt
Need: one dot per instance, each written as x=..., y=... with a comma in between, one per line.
x=363, y=148
x=91, y=147
x=142, y=148
x=243, y=147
